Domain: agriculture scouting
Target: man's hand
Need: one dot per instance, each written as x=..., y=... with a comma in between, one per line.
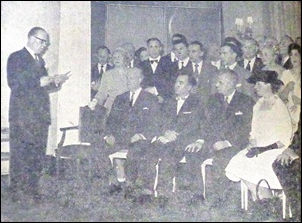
x=110, y=140
x=194, y=147
x=220, y=145
x=171, y=135
x=61, y=78
x=137, y=137
x=163, y=140
x=92, y=104
x=46, y=80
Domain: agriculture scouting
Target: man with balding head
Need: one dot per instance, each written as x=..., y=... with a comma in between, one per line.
x=131, y=125
x=29, y=112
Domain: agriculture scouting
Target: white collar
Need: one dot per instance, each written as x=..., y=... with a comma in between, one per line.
x=136, y=94
x=232, y=66
x=199, y=64
x=186, y=61
x=285, y=59
x=246, y=61
x=32, y=53
x=104, y=65
x=182, y=98
x=157, y=58
x=173, y=56
x=230, y=97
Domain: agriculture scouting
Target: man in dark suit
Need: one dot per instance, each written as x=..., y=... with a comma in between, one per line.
x=155, y=78
x=230, y=54
x=131, y=125
x=181, y=115
x=250, y=61
x=29, y=111
x=229, y=115
x=180, y=47
x=283, y=58
x=97, y=71
x=203, y=72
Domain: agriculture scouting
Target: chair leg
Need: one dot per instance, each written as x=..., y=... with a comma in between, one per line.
x=242, y=194
x=203, y=175
x=290, y=211
x=156, y=179
x=283, y=205
x=174, y=185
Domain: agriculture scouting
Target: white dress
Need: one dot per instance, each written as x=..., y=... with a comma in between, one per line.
x=268, y=126
x=287, y=77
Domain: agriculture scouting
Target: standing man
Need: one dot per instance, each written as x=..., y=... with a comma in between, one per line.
x=101, y=67
x=29, y=112
x=203, y=72
x=155, y=78
x=250, y=61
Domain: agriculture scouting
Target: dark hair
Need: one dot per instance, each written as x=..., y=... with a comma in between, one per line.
x=34, y=31
x=294, y=46
x=252, y=40
x=179, y=36
x=103, y=48
x=233, y=74
x=235, y=48
x=183, y=41
x=191, y=80
x=154, y=39
x=266, y=76
x=139, y=51
x=197, y=43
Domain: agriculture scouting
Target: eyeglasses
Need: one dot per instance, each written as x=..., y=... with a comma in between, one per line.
x=43, y=41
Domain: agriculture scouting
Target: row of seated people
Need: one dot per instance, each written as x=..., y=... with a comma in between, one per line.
x=244, y=57
x=191, y=121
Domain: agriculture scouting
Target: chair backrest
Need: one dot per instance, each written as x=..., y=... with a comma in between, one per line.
x=91, y=123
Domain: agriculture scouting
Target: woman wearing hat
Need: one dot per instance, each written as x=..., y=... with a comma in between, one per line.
x=270, y=134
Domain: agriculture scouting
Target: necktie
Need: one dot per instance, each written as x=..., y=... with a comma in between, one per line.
x=196, y=68
x=131, y=98
x=181, y=64
x=101, y=70
x=248, y=67
x=153, y=61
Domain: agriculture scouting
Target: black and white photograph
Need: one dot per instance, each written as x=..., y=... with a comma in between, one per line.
x=142, y=111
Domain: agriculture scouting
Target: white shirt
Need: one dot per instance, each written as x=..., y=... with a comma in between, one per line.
x=32, y=53
x=173, y=56
x=135, y=96
x=131, y=63
x=154, y=65
x=199, y=66
x=284, y=60
x=185, y=62
x=180, y=103
x=246, y=61
x=231, y=67
x=229, y=98
x=100, y=67
x=216, y=63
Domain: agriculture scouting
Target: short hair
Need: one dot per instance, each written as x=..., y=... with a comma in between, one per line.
x=123, y=52
x=154, y=39
x=197, y=43
x=235, y=48
x=103, y=48
x=139, y=51
x=251, y=40
x=232, y=73
x=34, y=31
x=191, y=80
x=179, y=36
x=294, y=46
x=183, y=41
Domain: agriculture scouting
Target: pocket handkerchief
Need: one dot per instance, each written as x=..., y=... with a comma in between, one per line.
x=238, y=113
x=185, y=113
x=145, y=108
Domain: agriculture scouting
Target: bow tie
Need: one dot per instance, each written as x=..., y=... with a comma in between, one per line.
x=152, y=61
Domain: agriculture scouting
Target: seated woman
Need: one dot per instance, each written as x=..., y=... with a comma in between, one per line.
x=271, y=130
x=291, y=92
x=268, y=55
x=114, y=82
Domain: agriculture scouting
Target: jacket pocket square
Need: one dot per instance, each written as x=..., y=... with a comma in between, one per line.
x=185, y=113
x=145, y=108
x=238, y=113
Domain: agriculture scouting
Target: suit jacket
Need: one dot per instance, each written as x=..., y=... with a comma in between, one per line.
x=29, y=102
x=287, y=65
x=206, y=80
x=96, y=76
x=158, y=79
x=245, y=87
x=258, y=65
x=230, y=122
x=125, y=121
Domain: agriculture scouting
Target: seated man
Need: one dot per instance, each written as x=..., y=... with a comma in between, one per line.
x=131, y=125
x=180, y=121
x=229, y=115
